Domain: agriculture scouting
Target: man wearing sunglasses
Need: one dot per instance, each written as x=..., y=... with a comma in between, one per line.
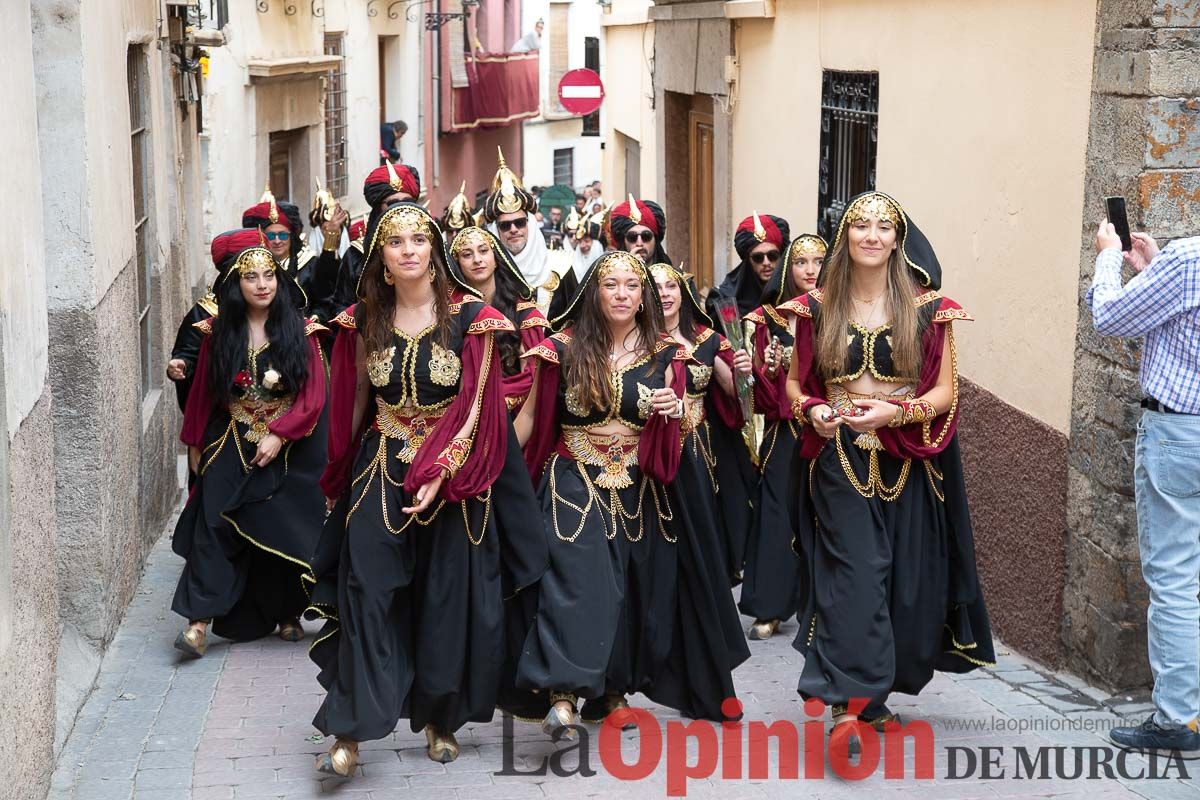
x=282, y=225
x=510, y=211
x=638, y=227
x=759, y=242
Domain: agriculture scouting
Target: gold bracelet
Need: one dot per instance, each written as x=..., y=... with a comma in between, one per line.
x=798, y=411
x=332, y=240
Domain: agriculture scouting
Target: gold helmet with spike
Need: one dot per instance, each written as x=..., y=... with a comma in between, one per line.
x=508, y=195
x=458, y=211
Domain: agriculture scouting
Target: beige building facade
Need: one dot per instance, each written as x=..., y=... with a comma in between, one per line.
x=983, y=120
x=298, y=95
x=100, y=153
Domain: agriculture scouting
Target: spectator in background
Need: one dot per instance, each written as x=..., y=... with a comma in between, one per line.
x=597, y=194
x=531, y=40
x=1162, y=303
x=390, y=134
x=580, y=203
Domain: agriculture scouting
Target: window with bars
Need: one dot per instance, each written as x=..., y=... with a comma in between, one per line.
x=336, y=169
x=849, y=142
x=564, y=166
x=139, y=143
x=591, y=60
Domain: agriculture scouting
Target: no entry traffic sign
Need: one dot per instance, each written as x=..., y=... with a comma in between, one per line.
x=580, y=91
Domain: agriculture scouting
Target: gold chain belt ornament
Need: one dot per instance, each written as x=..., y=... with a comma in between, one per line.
x=614, y=453
x=258, y=414
x=409, y=426
x=842, y=400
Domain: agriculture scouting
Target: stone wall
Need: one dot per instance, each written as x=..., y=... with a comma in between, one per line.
x=1143, y=144
x=27, y=675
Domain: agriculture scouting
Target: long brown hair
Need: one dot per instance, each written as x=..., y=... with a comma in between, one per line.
x=836, y=313
x=588, y=354
x=379, y=299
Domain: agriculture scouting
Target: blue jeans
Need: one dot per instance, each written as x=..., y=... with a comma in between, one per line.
x=1167, y=487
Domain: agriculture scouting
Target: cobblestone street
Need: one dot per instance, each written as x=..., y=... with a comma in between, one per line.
x=235, y=724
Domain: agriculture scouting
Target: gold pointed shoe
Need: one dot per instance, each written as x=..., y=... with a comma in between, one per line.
x=192, y=641
x=341, y=760
x=763, y=629
x=560, y=719
x=443, y=747
x=291, y=631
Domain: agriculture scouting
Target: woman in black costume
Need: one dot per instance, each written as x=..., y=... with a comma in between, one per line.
x=696, y=677
x=889, y=590
x=255, y=442
x=769, y=587
x=602, y=437
x=408, y=573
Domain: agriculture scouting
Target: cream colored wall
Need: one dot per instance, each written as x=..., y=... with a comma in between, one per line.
x=629, y=87
x=982, y=136
x=238, y=111
x=23, y=319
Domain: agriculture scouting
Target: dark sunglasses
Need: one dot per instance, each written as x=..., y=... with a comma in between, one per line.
x=770, y=255
x=632, y=237
x=508, y=224
x=278, y=236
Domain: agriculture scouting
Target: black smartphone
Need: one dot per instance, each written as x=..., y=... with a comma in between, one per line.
x=1115, y=208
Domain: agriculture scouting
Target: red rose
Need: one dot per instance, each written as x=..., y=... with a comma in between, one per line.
x=728, y=313
x=243, y=379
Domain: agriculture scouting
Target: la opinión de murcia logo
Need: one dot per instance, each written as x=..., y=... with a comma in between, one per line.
x=743, y=750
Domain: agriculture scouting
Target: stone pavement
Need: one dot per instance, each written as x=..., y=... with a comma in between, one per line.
x=236, y=724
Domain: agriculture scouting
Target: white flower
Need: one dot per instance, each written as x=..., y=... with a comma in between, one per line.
x=271, y=379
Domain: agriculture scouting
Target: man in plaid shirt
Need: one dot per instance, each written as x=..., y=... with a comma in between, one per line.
x=1162, y=303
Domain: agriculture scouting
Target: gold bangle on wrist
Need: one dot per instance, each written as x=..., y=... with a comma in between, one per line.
x=332, y=240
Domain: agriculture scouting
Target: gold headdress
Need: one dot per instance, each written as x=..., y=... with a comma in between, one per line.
x=255, y=258
x=458, y=212
x=506, y=182
x=668, y=272
x=468, y=237
x=323, y=201
x=398, y=220
x=760, y=233
x=619, y=259
x=806, y=244
x=874, y=205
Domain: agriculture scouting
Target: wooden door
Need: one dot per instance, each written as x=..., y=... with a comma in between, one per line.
x=700, y=197
x=281, y=164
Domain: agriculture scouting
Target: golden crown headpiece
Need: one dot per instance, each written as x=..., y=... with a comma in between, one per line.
x=254, y=258
x=874, y=205
x=616, y=260
x=470, y=236
x=806, y=245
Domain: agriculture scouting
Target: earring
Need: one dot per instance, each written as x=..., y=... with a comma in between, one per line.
x=641, y=306
x=387, y=277
x=431, y=275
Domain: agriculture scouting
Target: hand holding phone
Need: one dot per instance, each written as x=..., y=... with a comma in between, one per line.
x=1115, y=209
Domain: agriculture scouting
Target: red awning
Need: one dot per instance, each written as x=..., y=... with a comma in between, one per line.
x=503, y=89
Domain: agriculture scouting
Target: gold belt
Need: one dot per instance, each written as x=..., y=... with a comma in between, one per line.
x=407, y=425
x=614, y=453
x=258, y=414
